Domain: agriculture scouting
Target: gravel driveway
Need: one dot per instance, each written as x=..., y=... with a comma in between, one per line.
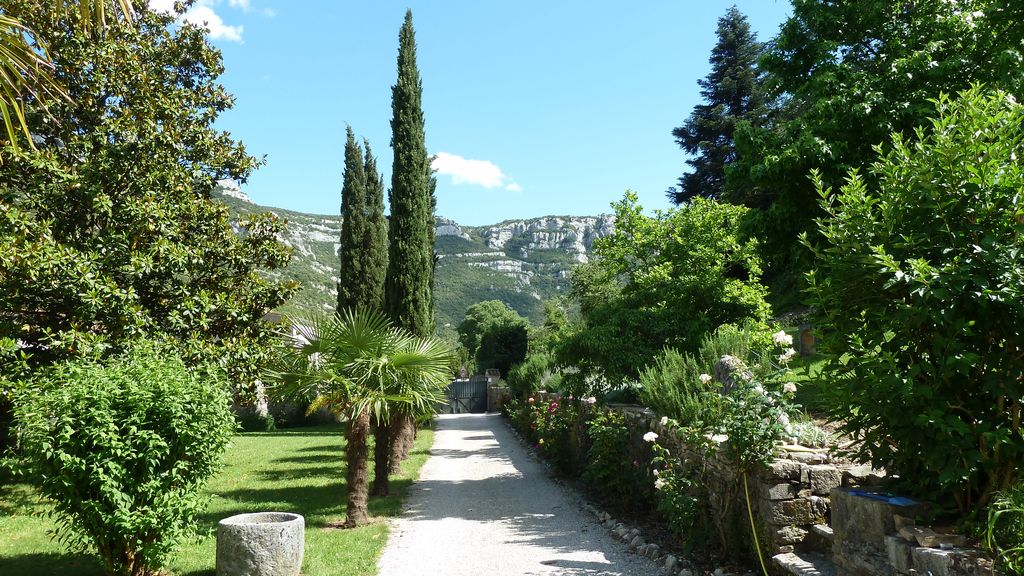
x=483, y=506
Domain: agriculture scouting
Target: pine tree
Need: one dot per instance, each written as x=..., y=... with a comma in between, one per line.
x=409, y=288
x=731, y=93
x=352, y=287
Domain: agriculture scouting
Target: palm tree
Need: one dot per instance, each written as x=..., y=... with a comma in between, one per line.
x=25, y=66
x=365, y=370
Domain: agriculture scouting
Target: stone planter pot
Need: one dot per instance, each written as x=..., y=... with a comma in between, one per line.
x=260, y=544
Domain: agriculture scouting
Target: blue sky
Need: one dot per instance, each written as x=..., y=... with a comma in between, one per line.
x=533, y=108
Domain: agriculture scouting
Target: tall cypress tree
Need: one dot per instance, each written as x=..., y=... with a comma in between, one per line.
x=731, y=93
x=352, y=288
x=409, y=287
x=375, y=233
x=375, y=270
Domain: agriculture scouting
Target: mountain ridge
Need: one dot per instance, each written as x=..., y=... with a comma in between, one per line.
x=521, y=262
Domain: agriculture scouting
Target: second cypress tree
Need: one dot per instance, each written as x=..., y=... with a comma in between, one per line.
x=351, y=252
x=375, y=233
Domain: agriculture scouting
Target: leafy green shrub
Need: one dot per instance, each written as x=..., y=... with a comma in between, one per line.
x=920, y=282
x=123, y=449
x=531, y=375
x=1004, y=533
x=746, y=342
x=807, y=433
x=609, y=446
x=666, y=280
x=557, y=423
x=678, y=497
x=753, y=418
x=678, y=384
x=673, y=386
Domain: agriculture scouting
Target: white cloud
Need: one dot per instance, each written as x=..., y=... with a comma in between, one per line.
x=164, y=6
x=202, y=14
x=464, y=171
x=205, y=16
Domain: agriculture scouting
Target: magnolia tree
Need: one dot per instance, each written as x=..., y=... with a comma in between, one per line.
x=920, y=284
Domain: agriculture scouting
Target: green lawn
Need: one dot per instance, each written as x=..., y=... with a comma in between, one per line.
x=811, y=389
x=294, y=470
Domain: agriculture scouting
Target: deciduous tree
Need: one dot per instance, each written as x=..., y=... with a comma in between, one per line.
x=919, y=282
x=110, y=231
x=852, y=73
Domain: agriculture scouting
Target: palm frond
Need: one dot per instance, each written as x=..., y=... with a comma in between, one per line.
x=25, y=74
x=360, y=362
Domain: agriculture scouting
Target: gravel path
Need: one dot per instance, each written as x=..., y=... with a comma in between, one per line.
x=483, y=506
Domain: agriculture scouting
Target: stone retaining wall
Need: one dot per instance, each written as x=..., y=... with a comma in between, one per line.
x=789, y=498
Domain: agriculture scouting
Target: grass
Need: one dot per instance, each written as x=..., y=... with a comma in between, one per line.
x=811, y=389
x=294, y=470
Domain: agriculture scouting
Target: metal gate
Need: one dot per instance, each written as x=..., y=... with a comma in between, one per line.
x=467, y=396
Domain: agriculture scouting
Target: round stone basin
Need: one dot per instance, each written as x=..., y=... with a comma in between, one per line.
x=261, y=544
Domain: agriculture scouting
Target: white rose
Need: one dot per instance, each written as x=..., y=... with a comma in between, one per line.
x=782, y=339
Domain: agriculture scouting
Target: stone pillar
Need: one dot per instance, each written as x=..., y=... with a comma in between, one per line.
x=861, y=520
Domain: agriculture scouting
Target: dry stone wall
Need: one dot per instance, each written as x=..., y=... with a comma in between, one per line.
x=788, y=499
x=808, y=504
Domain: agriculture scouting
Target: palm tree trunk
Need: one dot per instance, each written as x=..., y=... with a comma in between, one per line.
x=381, y=458
x=357, y=455
x=402, y=437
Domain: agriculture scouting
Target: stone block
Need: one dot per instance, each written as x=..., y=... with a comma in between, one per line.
x=955, y=562
x=822, y=506
x=803, y=565
x=809, y=458
x=784, y=471
x=898, y=551
x=261, y=544
x=932, y=561
x=862, y=476
x=790, y=512
x=857, y=518
x=785, y=491
x=818, y=539
x=790, y=535
x=824, y=478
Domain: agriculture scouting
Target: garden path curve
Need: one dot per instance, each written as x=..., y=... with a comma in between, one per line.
x=482, y=505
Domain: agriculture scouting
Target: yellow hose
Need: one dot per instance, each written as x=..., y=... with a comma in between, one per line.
x=753, y=527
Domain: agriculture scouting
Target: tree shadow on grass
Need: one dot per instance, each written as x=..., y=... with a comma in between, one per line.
x=316, y=458
x=311, y=432
x=51, y=564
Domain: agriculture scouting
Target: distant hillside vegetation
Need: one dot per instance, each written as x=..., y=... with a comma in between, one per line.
x=520, y=262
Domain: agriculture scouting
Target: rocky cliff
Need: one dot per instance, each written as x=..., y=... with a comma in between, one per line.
x=521, y=262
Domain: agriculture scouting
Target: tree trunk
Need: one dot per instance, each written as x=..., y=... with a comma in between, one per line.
x=357, y=455
x=403, y=435
x=381, y=458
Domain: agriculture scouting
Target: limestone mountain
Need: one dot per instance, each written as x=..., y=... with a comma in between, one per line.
x=520, y=262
